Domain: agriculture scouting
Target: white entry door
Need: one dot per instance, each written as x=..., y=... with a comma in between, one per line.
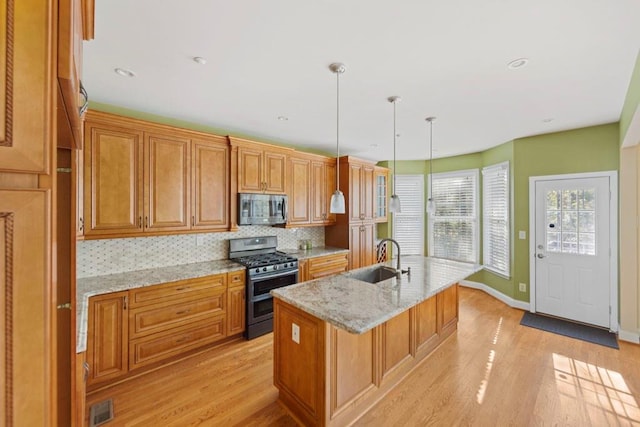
x=572, y=249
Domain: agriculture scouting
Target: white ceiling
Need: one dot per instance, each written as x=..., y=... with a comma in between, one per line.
x=448, y=59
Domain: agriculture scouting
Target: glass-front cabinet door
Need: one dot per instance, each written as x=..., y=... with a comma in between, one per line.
x=381, y=177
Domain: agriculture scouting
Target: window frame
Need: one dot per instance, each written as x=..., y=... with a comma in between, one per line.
x=486, y=240
x=421, y=201
x=475, y=221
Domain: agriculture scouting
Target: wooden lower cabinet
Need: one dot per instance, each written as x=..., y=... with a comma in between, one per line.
x=141, y=327
x=107, y=338
x=332, y=376
x=157, y=347
x=322, y=266
x=327, y=265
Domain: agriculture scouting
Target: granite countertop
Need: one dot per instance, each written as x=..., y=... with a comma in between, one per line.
x=99, y=285
x=302, y=254
x=357, y=306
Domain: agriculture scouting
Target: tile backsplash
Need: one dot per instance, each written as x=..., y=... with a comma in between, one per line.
x=108, y=256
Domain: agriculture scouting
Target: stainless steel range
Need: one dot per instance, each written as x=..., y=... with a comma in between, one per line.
x=267, y=269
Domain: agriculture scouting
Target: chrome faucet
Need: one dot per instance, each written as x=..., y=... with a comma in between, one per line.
x=386, y=239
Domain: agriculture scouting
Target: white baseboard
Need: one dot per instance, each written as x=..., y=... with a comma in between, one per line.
x=522, y=305
x=633, y=337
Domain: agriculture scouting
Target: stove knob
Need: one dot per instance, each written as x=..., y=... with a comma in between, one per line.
x=257, y=270
x=264, y=268
x=275, y=267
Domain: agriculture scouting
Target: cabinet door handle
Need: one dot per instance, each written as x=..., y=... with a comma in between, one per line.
x=85, y=367
x=179, y=313
x=81, y=221
x=124, y=302
x=182, y=288
x=146, y=222
x=193, y=220
x=140, y=222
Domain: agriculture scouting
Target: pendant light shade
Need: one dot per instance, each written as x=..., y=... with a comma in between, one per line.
x=394, y=202
x=337, y=205
x=431, y=204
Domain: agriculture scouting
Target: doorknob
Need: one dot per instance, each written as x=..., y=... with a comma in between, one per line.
x=541, y=256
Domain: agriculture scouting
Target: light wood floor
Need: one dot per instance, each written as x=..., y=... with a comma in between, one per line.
x=493, y=372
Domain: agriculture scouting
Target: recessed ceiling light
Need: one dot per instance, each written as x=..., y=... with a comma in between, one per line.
x=549, y=120
x=124, y=73
x=374, y=145
x=518, y=63
x=200, y=60
x=283, y=118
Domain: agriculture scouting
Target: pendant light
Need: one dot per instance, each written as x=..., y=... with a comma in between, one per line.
x=431, y=204
x=394, y=202
x=337, y=199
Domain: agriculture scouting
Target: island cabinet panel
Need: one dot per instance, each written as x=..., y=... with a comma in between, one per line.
x=354, y=359
x=449, y=308
x=427, y=332
x=299, y=367
x=331, y=376
x=397, y=342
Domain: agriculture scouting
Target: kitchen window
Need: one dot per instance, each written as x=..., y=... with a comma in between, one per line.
x=453, y=227
x=495, y=219
x=408, y=225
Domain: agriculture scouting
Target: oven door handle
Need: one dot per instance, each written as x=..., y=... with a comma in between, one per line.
x=261, y=278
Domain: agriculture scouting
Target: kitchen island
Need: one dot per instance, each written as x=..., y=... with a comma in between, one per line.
x=342, y=343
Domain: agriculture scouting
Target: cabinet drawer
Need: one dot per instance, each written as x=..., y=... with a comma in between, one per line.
x=235, y=278
x=324, y=266
x=173, y=291
x=154, y=348
x=147, y=320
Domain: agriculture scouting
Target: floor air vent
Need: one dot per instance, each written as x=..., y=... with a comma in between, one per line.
x=100, y=413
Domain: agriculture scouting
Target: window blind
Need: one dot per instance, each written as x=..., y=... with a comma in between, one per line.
x=453, y=227
x=495, y=218
x=408, y=225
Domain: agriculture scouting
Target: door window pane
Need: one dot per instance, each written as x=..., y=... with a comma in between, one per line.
x=571, y=221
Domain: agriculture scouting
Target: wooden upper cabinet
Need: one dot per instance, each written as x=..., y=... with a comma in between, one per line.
x=323, y=184
x=71, y=97
x=299, y=194
x=381, y=193
x=146, y=178
x=25, y=88
x=167, y=182
x=113, y=180
x=262, y=168
x=360, y=192
x=210, y=184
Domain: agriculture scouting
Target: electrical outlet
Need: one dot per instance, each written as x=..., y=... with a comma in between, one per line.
x=295, y=333
x=522, y=235
x=522, y=287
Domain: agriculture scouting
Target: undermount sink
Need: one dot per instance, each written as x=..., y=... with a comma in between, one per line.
x=375, y=275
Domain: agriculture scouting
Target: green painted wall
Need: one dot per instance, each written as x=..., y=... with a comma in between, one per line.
x=632, y=100
x=589, y=149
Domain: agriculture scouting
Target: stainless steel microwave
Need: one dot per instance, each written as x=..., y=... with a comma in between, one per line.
x=261, y=209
